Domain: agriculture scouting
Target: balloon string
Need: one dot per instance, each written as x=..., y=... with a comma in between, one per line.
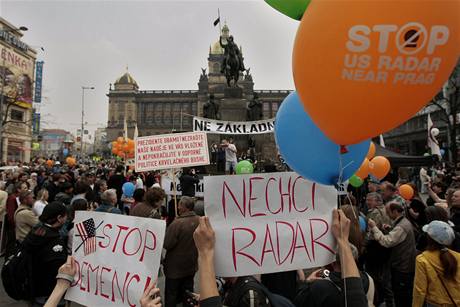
x=339, y=183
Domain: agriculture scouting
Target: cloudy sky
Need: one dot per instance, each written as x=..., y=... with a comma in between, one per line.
x=163, y=43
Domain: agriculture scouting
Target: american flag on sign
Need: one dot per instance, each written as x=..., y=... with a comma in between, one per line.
x=87, y=231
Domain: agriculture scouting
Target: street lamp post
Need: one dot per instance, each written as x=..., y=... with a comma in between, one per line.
x=83, y=88
x=2, y=94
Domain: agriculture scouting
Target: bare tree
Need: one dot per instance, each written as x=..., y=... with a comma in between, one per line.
x=448, y=102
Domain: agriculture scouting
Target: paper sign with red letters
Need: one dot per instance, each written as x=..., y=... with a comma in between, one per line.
x=269, y=222
x=117, y=257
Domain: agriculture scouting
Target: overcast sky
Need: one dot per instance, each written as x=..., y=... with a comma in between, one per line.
x=164, y=44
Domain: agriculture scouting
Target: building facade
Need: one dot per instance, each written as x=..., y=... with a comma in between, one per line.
x=165, y=111
x=54, y=141
x=100, y=140
x=17, y=67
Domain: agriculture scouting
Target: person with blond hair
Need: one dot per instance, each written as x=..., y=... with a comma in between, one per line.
x=41, y=202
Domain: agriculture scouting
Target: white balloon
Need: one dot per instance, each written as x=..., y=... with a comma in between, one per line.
x=435, y=132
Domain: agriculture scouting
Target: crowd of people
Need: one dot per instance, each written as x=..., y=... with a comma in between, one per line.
x=391, y=251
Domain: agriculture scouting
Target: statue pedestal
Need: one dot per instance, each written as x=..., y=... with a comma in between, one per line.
x=233, y=92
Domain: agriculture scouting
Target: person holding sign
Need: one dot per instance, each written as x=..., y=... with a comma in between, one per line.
x=204, y=238
x=47, y=250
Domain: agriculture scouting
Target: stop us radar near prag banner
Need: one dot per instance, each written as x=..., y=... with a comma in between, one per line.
x=269, y=222
x=171, y=151
x=117, y=257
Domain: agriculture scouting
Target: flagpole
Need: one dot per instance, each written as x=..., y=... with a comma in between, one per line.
x=220, y=24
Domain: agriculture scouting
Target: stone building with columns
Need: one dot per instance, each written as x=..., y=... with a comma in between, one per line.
x=165, y=111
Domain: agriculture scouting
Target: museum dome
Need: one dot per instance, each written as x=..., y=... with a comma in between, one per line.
x=126, y=79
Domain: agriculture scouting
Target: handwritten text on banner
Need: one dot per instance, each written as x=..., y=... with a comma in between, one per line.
x=269, y=222
x=117, y=257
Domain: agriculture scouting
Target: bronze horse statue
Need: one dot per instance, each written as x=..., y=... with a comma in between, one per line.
x=232, y=63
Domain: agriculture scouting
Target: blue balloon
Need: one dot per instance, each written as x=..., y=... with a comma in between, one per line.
x=362, y=224
x=128, y=189
x=308, y=151
x=65, y=152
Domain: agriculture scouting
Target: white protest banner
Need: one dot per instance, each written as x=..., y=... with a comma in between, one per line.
x=269, y=222
x=117, y=257
x=168, y=186
x=226, y=127
x=171, y=151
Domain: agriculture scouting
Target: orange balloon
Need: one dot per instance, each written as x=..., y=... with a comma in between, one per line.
x=72, y=162
x=125, y=148
x=363, y=170
x=114, y=144
x=130, y=143
x=379, y=167
x=50, y=163
x=405, y=52
x=371, y=152
x=406, y=191
x=120, y=140
x=115, y=151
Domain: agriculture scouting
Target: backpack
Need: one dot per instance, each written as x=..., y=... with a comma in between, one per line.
x=17, y=275
x=250, y=283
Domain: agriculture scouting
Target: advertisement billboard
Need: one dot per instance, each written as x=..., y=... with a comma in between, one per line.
x=16, y=75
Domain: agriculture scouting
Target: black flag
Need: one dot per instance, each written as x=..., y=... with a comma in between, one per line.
x=216, y=22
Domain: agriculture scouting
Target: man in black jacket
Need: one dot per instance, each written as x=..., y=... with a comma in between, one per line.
x=188, y=181
x=47, y=250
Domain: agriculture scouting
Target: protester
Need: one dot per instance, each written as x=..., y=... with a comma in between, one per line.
x=24, y=217
x=150, y=207
x=437, y=274
x=402, y=260
x=99, y=187
x=138, y=197
x=230, y=156
x=390, y=194
x=80, y=190
x=455, y=210
x=188, y=181
x=435, y=190
x=377, y=256
x=180, y=263
x=66, y=194
x=116, y=182
x=328, y=290
x=109, y=202
x=47, y=250
x=41, y=202
x=53, y=187
x=77, y=205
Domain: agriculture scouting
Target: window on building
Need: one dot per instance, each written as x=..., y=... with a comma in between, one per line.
x=216, y=68
x=158, y=113
x=17, y=115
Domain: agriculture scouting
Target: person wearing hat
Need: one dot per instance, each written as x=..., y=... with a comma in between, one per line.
x=47, y=250
x=437, y=273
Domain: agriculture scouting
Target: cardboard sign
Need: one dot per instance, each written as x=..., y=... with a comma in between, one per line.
x=117, y=257
x=226, y=127
x=171, y=151
x=168, y=186
x=271, y=222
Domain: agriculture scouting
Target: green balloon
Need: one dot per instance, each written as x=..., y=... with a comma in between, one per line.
x=291, y=8
x=244, y=167
x=355, y=181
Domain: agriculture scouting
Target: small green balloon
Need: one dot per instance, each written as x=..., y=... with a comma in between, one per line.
x=355, y=181
x=244, y=167
x=291, y=8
